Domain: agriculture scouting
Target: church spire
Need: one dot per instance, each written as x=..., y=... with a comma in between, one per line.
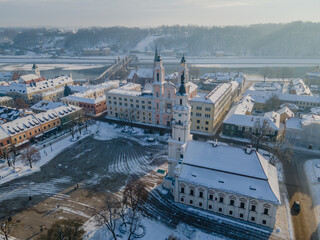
x=183, y=59
x=182, y=88
x=157, y=56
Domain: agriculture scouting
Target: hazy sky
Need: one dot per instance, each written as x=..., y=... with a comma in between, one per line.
x=145, y=13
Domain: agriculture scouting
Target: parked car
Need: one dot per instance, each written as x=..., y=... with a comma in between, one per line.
x=296, y=206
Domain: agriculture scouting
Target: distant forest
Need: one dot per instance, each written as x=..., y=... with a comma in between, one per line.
x=296, y=39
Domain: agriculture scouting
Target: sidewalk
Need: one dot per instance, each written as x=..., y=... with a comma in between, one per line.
x=312, y=169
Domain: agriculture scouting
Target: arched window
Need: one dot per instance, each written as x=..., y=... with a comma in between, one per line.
x=158, y=77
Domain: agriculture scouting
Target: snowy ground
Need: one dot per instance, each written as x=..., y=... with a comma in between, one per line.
x=312, y=168
x=156, y=231
x=22, y=169
x=100, y=131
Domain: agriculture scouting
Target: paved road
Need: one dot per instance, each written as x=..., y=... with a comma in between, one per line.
x=305, y=224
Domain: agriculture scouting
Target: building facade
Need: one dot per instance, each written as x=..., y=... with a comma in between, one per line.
x=209, y=109
x=220, y=179
x=150, y=106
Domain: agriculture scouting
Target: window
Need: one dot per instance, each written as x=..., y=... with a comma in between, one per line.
x=191, y=202
x=157, y=94
x=232, y=202
x=230, y=212
x=198, y=114
x=210, y=206
x=157, y=105
x=182, y=189
x=207, y=122
x=207, y=115
x=208, y=109
x=253, y=219
x=264, y=222
x=20, y=138
x=191, y=192
x=198, y=121
x=180, y=101
x=253, y=208
x=158, y=77
x=182, y=199
x=1, y=144
x=221, y=199
x=242, y=205
x=266, y=211
x=211, y=196
x=200, y=204
x=199, y=108
x=30, y=133
x=206, y=129
x=241, y=215
x=220, y=209
x=201, y=194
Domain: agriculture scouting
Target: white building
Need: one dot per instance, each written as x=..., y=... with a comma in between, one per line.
x=304, y=131
x=221, y=179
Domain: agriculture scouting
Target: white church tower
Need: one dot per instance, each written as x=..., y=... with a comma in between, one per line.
x=36, y=70
x=180, y=133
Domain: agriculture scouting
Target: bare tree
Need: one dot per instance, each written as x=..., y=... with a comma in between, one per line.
x=266, y=72
x=65, y=229
x=260, y=133
x=20, y=103
x=31, y=155
x=6, y=227
x=134, y=195
x=124, y=207
x=109, y=214
x=272, y=104
x=280, y=151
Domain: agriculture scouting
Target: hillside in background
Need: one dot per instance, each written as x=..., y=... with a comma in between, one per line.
x=296, y=39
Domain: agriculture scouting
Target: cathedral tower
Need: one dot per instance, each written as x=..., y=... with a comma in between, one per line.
x=180, y=132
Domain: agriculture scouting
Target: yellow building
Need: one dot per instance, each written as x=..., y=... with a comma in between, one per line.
x=209, y=109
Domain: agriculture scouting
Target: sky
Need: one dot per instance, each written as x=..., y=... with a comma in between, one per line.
x=151, y=13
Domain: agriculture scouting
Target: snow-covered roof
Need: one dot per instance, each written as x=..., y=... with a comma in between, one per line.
x=10, y=114
x=29, y=77
x=230, y=169
x=249, y=121
x=45, y=105
x=214, y=95
x=125, y=92
x=5, y=98
x=223, y=76
x=266, y=86
x=291, y=106
x=244, y=106
x=286, y=110
x=263, y=96
x=3, y=134
x=172, y=76
x=20, y=125
x=47, y=116
x=83, y=99
x=141, y=73
x=190, y=85
x=66, y=110
x=39, y=86
x=300, y=87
